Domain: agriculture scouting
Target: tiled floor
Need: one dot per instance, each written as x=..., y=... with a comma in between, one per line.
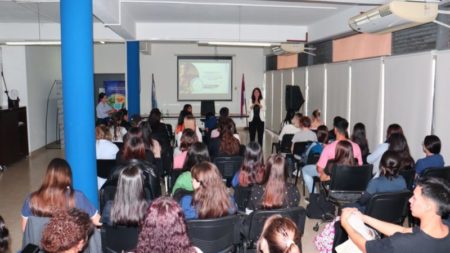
x=25, y=176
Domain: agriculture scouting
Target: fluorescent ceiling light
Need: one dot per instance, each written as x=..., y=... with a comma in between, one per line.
x=32, y=43
x=242, y=44
x=212, y=3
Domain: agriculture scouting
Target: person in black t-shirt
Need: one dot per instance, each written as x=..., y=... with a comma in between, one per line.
x=430, y=202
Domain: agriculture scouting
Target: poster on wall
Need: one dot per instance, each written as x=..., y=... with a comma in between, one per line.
x=115, y=90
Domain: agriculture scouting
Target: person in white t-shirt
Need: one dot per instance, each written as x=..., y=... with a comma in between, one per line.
x=305, y=134
x=292, y=128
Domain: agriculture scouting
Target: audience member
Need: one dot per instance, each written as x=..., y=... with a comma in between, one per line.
x=293, y=128
x=187, y=139
x=164, y=229
x=398, y=143
x=288, y=119
x=256, y=116
x=343, y=157
x=279, y=235
x=375, y=157
x=56, y=192
x=116, y=129
x=196, y=154
x=104, y=148
x=4, y=236
x=224, y=114
x=252, y=168
x=187, y=110
x=433, y=159
x=316, y=121
x=189, y=122
x=388, y=181
x=129, y=205
x=68, y=231
x=359, y=137
x=430, y=202
x=210, y=198
x=305, y=134
x=274, y=192
x=124, y=122
x=331, y=134
x=226, y=144
x=152, y=146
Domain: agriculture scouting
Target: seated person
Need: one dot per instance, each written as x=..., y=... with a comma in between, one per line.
x=187, y=139
x=429, y=204
x=116, y=129
x=309, y=171
x=189, y=122
x=224, y=114
x=293, y=126
x=359, y=137
x=433, y=158
x=316, y=121
x=388, y=181
x=274, y=192
x=164, y=229
x=280, y=234
x=399, y=144
x=226, y=144
x=210, y=198
x=305, y=134
x=56, y=192
x=196, y=154
x=104, y=148
x=129, y=205
x=252, y=169
x=67, y=231
x=187, y=110
x=343, y=157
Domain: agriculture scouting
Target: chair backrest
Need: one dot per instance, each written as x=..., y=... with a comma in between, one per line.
x=286, y=143
x=119, y=238
x=258, y=218
x=105, y=168
x=242, y=196
x=108, y=192
x=442, y=172
x=301, y=147
x=228, y=165
x=350, y=178
x=409, y=176
x=215, y=235
x=390, y=207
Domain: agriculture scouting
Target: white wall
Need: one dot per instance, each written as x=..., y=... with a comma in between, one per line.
x=163, y=64
x=43, y=68
x=110, y=58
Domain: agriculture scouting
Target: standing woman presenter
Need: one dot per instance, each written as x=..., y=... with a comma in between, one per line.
x=257, y=116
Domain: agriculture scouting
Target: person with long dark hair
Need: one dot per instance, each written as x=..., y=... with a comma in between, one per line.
x=188, y=138
x=187, y=110
x=56, y=193
x=433, y=159
x=164, y=229
x=292, y=127
x=399, y=144
x=116, y=129
x=274, y=192
x=359, y=137
x=375, y=157
x=280, y=234
x=129, y=205
x=196, y=154
x=344, y=157
x=210, y=198
x=252, y=168
x=226, y=144
x=256, y=117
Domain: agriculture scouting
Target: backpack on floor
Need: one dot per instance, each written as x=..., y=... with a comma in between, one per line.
x=319, y=207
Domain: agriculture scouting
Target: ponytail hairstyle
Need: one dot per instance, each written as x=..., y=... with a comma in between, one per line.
x=279, y=235
x=390, y=164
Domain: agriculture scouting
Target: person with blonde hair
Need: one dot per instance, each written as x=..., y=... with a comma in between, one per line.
x=279, y=235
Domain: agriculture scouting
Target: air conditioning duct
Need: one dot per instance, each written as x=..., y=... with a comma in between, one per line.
x=396, y=15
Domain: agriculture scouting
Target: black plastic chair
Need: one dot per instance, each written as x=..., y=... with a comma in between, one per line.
x=105, y=168
x=286, y=144
x=257, y=219
x=348, y=183
x=215, y=235
x=119, y=238
x=242, y=196
x=228, y=166
x=443, y=172
x=390, y=207
x=298, y=151
x=409, y=175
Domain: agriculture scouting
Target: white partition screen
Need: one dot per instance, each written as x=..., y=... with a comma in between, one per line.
x=287, y=79
x=442, y=103
x=277, y=93
x=337, y=92
x=300, y=80
x=316, y=87
x=366, y=98
x=408, y=97
x=268, y=100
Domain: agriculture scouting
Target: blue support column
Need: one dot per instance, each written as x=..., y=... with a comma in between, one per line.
x=133, y=78
x=78, y=93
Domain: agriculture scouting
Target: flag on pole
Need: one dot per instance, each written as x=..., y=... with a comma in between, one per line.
x=243, y=102
x=154, y=102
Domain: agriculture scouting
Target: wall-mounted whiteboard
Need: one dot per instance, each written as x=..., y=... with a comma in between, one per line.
x=316, y=87
x=268, y=99
x=337, y=92
x=366, y=98
x=408, y=97
x=442, y=103
x=277, y=109
x=300, y=80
